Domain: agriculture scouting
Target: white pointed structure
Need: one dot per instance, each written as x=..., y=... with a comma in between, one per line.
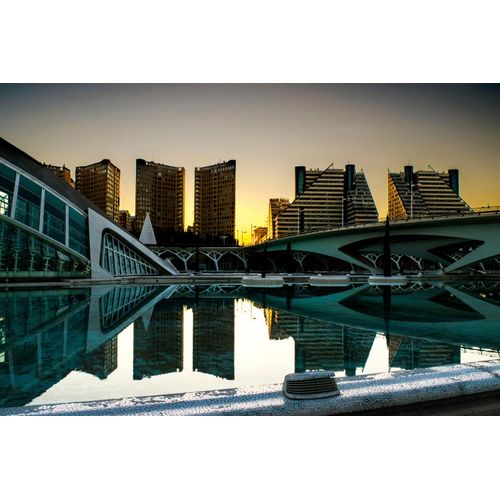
x=147, y=236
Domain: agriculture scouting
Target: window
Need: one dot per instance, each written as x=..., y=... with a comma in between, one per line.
x=28, y=203
x=54, y=219
x=7, y=181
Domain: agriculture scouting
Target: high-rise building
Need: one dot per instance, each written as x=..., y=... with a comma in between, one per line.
x=100, y=183
x=276, y=205
x=214, y=200
x=159, y=191
x=326, y=199
x=63, y=172
x=125, y=220
x=424, y=193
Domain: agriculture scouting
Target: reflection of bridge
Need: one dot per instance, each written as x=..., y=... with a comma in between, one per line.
x=44, y=335
x=451, y=243
x=448, y=314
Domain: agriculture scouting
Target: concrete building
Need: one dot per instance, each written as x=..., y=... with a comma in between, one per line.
x=125, y=220
x=49, y=230
x=424, y=193
x=159, y=191
x=276, y=206
x=214, y=201
x=259, y=235
x=326, y=199
x=100, y=183
x=63, y=172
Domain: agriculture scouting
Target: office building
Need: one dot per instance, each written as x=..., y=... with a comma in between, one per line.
x=63, y=172
x=424, y=193
x=159, y=191
x=276, y=206
x=125, y=220
x=214, y=201
x=325, y=199
x=100, y=183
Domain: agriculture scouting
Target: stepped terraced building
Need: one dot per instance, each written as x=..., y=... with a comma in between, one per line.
x=325, y=199
x=424, y=193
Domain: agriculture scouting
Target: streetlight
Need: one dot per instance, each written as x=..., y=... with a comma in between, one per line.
x=243, y=238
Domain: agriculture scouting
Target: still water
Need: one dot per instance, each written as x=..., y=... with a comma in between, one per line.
x=82, y=344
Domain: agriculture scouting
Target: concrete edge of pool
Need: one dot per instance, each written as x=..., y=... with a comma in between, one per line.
x=360, y=394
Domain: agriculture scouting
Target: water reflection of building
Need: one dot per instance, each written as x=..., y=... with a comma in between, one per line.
x=43, y=339
x=104, y=360
x=409, y=353
x=213, y=337
x=158, y=344
x=46, y=334
x=320, y=345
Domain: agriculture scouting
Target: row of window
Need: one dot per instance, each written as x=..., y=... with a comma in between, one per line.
x=32, y=201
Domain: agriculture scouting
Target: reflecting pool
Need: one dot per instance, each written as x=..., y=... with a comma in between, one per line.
x=82, y=344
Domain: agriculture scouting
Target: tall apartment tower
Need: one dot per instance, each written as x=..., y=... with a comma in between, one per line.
x=214, y=200
x=326, y=199
x=159, y=191
x=100, y=183
x=276, y=206
x=424, y=193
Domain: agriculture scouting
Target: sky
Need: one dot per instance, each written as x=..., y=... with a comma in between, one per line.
x=267, y=128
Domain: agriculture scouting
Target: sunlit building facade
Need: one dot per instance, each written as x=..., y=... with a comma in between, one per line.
x=100, y=183
x=424, y=193
x=276, y=206
x=159, y=191
x=214, y=200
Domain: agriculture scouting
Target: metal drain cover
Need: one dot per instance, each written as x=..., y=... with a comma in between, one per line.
x=310, y=385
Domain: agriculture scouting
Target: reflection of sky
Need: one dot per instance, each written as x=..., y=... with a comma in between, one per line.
x=267, y=128
x=257, y=360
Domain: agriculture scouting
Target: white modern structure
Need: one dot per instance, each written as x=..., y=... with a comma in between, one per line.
x=48, y=230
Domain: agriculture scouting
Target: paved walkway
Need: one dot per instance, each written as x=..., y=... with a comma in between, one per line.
x=467, y=389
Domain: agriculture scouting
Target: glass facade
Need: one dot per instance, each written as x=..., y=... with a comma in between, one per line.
x=54, y=218
x=7, y=182
x=28, y=203
x=23, y=254
x=32, y=202
x=120, y=260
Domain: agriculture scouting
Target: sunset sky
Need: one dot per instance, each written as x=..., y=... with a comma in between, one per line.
x=266, y=128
